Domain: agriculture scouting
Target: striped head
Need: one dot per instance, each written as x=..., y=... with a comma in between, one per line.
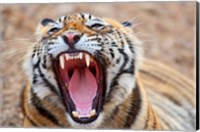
x=84, y=66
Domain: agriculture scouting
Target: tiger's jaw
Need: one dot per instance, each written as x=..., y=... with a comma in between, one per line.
x=81, y=84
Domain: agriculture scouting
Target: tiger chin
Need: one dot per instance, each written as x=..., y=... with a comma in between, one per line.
x=83, y=72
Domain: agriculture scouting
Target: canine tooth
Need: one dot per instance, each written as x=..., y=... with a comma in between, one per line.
x=75, y=113
x=62, y=63
x=81, y=56
x=93, y=112
x=87, y=59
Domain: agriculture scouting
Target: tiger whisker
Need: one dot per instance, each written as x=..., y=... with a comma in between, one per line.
x=18, y=48
x=19, y=60
x=24, y=44
x=10, y=55
x=137, y=24
x=9, y=41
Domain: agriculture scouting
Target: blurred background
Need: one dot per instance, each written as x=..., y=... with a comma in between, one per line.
x=167, y=30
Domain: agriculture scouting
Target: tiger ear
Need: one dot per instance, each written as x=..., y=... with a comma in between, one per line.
x=44, y=26
x=46, y=21
x=127, y=24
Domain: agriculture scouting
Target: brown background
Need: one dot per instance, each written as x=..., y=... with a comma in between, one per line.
x=167, y=30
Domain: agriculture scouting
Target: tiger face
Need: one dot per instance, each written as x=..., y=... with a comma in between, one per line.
x=84, y=65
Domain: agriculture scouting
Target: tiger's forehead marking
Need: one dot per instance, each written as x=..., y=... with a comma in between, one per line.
x=76, y=22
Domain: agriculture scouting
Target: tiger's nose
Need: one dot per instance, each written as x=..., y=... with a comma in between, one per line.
x=71, y=38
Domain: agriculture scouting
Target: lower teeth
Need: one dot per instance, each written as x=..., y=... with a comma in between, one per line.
x=76, y=114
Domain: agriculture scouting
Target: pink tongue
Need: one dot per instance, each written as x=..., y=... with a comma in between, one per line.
x=82, y=89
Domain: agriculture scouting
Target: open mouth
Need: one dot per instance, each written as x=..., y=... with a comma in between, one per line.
x=80, y=79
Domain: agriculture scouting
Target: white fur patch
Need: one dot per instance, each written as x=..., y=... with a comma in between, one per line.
x=41, y=90
x=127, y=81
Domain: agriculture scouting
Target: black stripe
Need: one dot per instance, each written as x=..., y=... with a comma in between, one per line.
x=32, y=122
x=22, y=103
x=147, y=120
x=171, y=97
x=38, y=52
x=36, y=65
x=43, y=112
x=176, y=83
x=59, y=19
x=48, y=84
x=111, y=53
x=104, y=84
x=125, y=59
x=82, y=15
x=130, y=44
x=130, y=70
x=50, y=43
x=118, y=60
x=34, y=51
x=154, y=118
x=44, y=65
x=135, y=107
x=116, y=110
x=120, y=37
x=65, y=17
x=34, y=79
x=90, y=16
x=22, y=99
x=160, y=105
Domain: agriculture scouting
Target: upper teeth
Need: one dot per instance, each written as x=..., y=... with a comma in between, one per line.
x=62, y=63
x=81, y=55
x=66, y=56
x=87, y=57
x=87, y=60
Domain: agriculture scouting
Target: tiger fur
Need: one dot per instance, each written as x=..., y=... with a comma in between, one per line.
x=137, y=93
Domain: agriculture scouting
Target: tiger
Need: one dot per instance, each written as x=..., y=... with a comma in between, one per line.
x=88, y=72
